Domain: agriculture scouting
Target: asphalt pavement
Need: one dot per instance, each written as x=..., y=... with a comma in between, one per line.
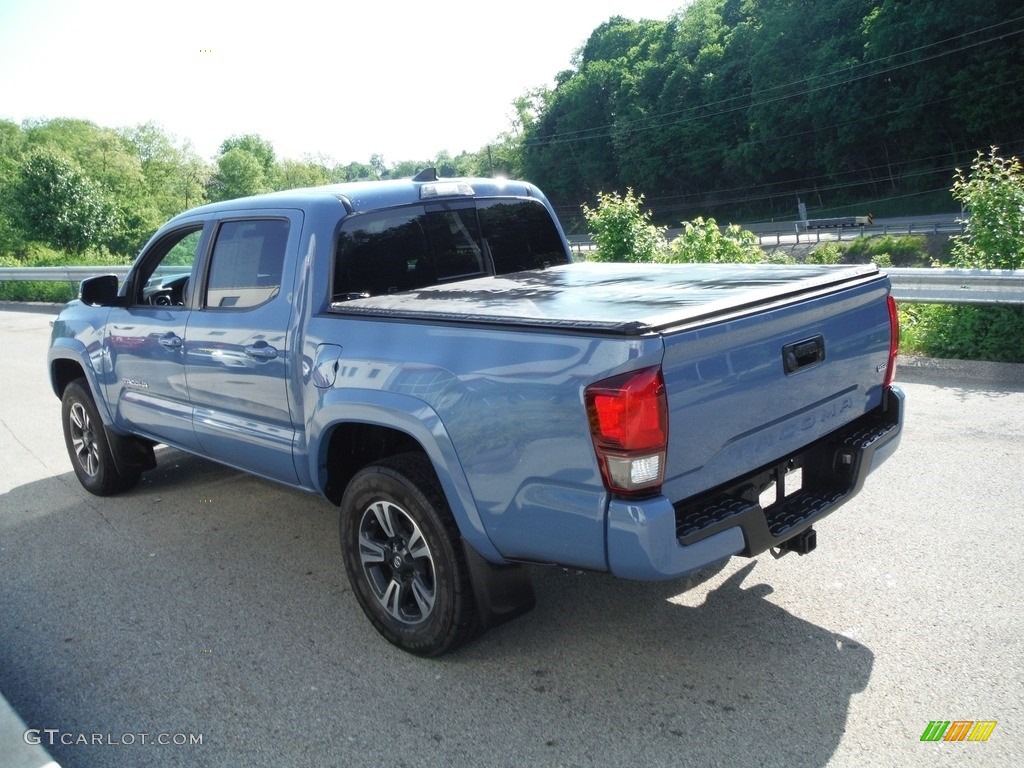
x=204, y=619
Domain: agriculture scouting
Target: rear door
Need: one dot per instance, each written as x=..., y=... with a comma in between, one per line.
x=238, y=355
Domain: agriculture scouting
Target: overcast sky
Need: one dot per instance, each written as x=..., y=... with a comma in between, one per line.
x=340, y=79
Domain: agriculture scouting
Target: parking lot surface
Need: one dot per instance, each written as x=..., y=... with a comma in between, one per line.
x=204, y=619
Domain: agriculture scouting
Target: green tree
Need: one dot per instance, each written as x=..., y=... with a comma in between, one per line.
x=105, y=155
x=12, y=142
x=686, y=129
x=993, y=193
x=239, y=174
x=175, y=176
x=191, y=180
x=570, y=148
x=294, y=174
x=255, y=145
x=463, y=164
x=380, y=168
x=59, y=205
x=502, y=157
x=947, y=66
x=739, y=104
x=408, y=168
x=246, y=165
x=110, y=161
x=353, y=172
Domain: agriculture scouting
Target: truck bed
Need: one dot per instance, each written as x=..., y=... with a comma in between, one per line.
x=626, y=299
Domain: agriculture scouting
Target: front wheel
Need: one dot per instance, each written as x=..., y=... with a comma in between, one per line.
x=88, y=448
x=404, y=558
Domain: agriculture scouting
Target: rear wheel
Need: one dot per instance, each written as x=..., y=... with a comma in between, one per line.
x=404, y=558
x=87, y=444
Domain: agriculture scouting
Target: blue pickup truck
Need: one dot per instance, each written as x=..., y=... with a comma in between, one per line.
x=426, y=354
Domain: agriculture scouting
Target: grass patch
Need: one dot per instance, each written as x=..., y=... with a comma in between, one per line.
x=963, y=332
x=899, y=251
x=44, y=291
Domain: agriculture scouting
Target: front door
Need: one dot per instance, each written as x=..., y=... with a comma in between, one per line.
x=145, y=342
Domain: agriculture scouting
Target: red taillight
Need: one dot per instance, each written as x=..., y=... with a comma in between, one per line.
x=894, y=342
x=629, y=424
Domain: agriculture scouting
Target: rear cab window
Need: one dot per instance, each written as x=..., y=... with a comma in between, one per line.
x=415, y=246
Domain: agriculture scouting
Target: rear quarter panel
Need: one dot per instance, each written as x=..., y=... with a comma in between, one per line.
x=511, y=404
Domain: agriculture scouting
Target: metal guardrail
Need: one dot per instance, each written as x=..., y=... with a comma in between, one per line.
x=72, y=275
x=958, y=286
x=920, y=286
x=801, y=235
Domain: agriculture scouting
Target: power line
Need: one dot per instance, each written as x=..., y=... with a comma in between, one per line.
x=867, y=118
x=645, y=124
x=739, y=195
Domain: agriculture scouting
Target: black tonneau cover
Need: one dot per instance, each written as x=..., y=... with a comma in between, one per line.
x=628, y=299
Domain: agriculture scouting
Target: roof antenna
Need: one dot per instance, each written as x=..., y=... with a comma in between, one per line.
x=427, y=174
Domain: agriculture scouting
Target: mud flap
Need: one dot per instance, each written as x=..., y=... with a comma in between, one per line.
x=502, y=592
x=130, y=453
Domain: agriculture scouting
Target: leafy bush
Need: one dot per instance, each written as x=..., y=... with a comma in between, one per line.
x=827, y=253
x=994, y=239
x=54, y=293
x=994, y=195
x=622, y=231
x=963, y=331
x=704, y=243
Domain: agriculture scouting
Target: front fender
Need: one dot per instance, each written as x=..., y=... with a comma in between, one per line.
x=420, y=422
x=90, y=360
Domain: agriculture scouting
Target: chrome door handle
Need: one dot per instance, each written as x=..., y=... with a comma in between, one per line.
x=261, y=351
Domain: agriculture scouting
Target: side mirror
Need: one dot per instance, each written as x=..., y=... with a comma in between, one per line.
x=100, y=291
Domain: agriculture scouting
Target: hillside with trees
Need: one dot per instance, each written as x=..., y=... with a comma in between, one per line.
x=730, y=109
x=740, y=106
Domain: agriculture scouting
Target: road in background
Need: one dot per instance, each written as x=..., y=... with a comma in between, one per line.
x=210, y=606
x=792, y=233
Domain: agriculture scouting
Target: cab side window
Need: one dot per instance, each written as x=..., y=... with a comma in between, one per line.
x=383, y=252
x=247, y=263
x=164, y=275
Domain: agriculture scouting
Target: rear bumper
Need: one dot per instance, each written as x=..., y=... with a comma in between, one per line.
x=654, y=539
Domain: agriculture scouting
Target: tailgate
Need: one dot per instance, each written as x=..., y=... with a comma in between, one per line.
x=747, y=390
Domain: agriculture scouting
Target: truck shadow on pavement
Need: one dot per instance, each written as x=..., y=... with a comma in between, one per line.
x=209, y=602
x=707, y=667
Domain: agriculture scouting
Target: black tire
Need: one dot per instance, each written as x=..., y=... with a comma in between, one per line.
x=404, y=558
x=87, y=444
